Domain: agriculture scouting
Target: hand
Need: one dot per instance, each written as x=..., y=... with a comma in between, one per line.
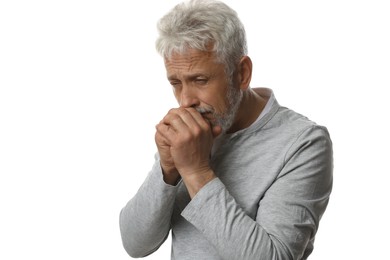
x=170, y=173
x=189, y=138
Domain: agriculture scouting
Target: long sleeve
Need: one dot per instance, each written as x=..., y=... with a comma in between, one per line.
x=145, y=220
x=288, y=214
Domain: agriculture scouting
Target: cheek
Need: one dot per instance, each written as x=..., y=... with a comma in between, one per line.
x=218, y=102
x=222, y=106
x=221, y=100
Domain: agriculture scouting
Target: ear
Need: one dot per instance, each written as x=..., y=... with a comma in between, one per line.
x=244, y=72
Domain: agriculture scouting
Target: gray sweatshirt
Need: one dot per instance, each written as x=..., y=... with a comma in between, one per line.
x=273, y=185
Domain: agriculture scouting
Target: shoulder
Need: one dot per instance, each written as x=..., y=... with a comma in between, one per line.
x=286, y=122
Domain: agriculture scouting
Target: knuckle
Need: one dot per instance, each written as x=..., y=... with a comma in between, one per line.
x=172, y=110
x=182, y=111
x=197, y=131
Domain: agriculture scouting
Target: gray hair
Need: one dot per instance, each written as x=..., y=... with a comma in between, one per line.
x=199, y=24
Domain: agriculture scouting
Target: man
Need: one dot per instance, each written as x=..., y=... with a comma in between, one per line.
x=236, y=175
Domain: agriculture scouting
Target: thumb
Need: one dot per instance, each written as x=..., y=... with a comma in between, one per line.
x=217, y=130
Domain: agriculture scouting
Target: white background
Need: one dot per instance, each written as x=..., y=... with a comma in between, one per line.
x=82, y=87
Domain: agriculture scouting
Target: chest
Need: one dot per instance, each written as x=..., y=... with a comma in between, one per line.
x=246, y=171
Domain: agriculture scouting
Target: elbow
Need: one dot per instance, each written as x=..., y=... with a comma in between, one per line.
x=133, y=245
x=128, y=241
x=133, y=251
x=140, y=240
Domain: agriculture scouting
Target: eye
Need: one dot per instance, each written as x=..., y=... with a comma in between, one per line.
x=175, y=84
x=201, y=81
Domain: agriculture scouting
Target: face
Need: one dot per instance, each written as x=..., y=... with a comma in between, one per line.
x=200, y=82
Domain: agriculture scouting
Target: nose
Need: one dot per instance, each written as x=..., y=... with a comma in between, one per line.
x=188, y=98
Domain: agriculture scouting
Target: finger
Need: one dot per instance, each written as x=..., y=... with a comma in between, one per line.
x=205, y=123
x=160, y=138
x=216, y=130
x=181, y=120
x=166, y=132
x=193, y=119
x=201, y=121
x=175, y=121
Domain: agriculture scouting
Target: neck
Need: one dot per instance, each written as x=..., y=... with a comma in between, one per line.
x=251, y=106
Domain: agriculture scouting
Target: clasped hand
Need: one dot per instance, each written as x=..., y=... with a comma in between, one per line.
x=184, y=140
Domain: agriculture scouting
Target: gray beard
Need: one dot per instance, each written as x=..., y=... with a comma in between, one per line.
x=226, y=119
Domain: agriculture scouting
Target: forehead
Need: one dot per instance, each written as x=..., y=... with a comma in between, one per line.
x=191, y=59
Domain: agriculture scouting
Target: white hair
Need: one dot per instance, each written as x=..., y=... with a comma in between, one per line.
x=201, y=24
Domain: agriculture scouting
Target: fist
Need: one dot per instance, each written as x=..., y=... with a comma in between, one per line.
x=184, y=139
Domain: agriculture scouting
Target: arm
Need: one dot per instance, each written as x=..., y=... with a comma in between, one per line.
x=288, y=215
x=145, y=220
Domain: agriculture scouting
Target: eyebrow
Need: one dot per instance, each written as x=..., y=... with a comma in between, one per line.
x=190, y=76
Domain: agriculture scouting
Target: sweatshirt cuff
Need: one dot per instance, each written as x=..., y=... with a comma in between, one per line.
x=201, y=204
x=156, y=179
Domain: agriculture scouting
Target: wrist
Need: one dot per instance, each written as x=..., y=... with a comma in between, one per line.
x=170, y=176
x=195, y=182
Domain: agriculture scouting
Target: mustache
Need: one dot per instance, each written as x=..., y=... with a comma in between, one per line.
x=203, y=110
